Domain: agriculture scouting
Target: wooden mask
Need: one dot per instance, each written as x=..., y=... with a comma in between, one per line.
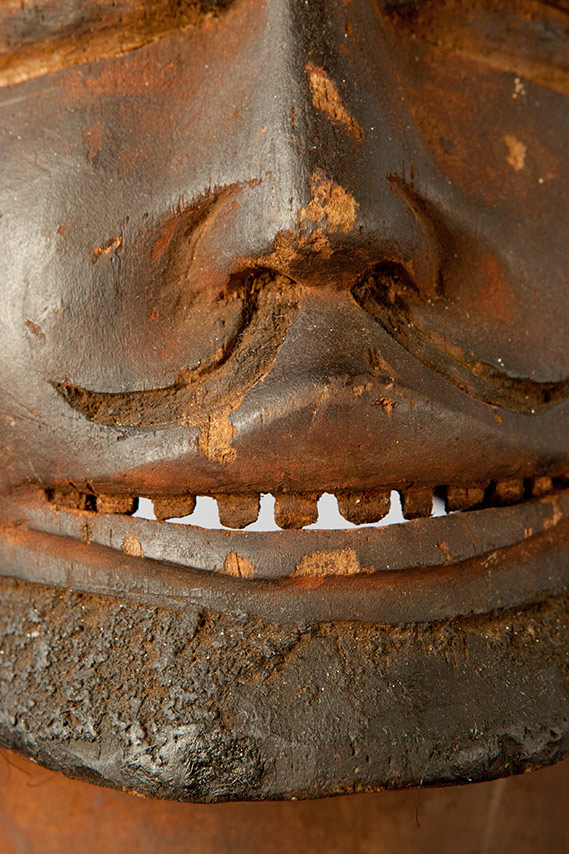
x=284, y=248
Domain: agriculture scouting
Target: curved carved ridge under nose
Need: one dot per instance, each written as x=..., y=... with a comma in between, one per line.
x=197, y=393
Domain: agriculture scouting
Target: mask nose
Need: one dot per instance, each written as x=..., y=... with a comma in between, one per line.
x=327, y=194
x=287, y=155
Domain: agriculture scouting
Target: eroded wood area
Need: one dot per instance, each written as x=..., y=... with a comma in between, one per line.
x=159, y=700
x=325, y=97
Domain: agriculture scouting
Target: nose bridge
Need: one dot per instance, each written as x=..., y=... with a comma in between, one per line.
x=253, y=139
x=362, y=137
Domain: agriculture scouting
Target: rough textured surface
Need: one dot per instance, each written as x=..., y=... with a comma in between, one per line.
x=119, y=504
x=363, y=507
x=200, y=706
x=331, y=205
x=237, y=511
x=295, y=510
x=173, y=508
x=416, y=502
x=238, y=566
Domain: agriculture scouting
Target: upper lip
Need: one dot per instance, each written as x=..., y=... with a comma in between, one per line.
x=251, y=355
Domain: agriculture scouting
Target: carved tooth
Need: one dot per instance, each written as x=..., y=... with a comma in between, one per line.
x=464, y=497
x=296, y=509
x=70, y=499
x=363, y=508
x=120, y=504
x=174, y=507
x=509, y=491
x=541, y=486
x=237, y=511
x=417, y=501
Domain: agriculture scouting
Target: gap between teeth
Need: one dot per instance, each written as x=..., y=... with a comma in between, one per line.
x=206, y=514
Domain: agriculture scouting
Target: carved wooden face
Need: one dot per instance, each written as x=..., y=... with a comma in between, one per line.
x=285, y=247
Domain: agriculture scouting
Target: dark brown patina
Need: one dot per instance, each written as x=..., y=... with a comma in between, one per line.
x=277, y=247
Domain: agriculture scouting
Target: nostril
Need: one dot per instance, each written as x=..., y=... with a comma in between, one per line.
x=384, y=290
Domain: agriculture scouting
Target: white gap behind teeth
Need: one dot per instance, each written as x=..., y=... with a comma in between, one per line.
x=206, y=514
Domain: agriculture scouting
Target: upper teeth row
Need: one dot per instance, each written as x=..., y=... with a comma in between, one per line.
x=314, y=509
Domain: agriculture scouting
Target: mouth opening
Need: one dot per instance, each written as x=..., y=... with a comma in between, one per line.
x=206, y=513
x=429, y=554
x=326, y=511
x=277, y=535
x=344, y=510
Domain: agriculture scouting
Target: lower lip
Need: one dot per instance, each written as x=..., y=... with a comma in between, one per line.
x=420, y=571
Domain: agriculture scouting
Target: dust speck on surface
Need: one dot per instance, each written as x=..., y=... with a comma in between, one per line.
x=325, y=97
x=516, y=153
x=336, y=562
x=519, y=89
x=238, y=566
x=131, y=546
